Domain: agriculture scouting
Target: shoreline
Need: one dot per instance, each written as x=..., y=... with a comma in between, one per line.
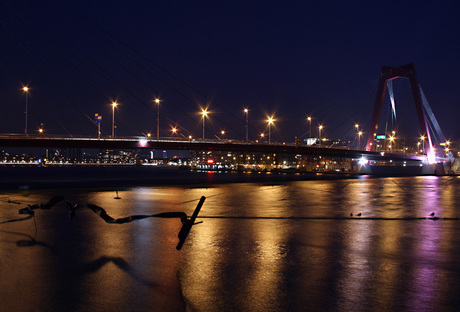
x=24, y=177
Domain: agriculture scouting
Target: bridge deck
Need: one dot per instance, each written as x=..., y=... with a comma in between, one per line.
x=224, y=145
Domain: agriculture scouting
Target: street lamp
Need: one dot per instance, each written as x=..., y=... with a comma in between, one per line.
x=359, y=138
x=423, y=143
x=270, y=121
x=309, y=121
x=391, y=142
x=246, y=111
x=204, y=113
x=357, y=134
x=319, y=133
x=26, y=89
x=114, y=104
x=157, y=101
x=394, y=138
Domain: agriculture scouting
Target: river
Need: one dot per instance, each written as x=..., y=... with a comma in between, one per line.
x=261, y=246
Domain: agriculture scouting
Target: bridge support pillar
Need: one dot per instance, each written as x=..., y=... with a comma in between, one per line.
x=390, y=73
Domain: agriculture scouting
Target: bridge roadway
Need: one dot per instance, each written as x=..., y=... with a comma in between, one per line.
x=207, y=145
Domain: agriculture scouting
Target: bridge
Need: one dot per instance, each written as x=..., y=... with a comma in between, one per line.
x=192, y=145
x=295, y=154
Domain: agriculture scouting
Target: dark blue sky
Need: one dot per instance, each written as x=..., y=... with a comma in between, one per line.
x=295, y=59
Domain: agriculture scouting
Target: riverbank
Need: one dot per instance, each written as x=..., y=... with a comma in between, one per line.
x=24, y=177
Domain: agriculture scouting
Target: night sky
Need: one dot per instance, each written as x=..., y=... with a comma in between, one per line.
x=281, y=59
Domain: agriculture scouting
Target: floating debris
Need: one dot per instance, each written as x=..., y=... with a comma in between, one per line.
x=183, y=233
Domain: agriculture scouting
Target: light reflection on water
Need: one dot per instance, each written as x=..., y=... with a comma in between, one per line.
x=240, y=261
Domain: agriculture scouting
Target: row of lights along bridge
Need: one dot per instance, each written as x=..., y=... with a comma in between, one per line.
x=270, y=120
x=204, y=113
x=174, y=130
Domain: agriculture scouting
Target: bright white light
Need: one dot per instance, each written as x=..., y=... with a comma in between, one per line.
x=431, y=157
x=143, y=142
x=363, y=161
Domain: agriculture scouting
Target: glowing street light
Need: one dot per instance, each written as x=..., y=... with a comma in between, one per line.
x=319, y=133
x=157, y=101
x=309, y=121
x=174, y=130
x=360, y=133
x=204, y=113
x=270, y=121
x=26, y=90
x=392, y=138
x=114, y=104
x=422, y=138
x=246, y=111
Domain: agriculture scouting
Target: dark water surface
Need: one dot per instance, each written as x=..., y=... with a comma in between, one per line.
x=290, y=246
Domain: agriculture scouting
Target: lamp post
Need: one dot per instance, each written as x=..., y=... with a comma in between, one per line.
x=359, y=139
x=41, y=129
x=204, y=113
x=114, y=104
x=423, y=143
x=309, y=133
x=394, y=139
x=157, y=101
x=357, y=134
x=391, y=142
x=448, y=149
x=319, y=133
x=26, y=90
x=270, y=121
x=246, y=111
